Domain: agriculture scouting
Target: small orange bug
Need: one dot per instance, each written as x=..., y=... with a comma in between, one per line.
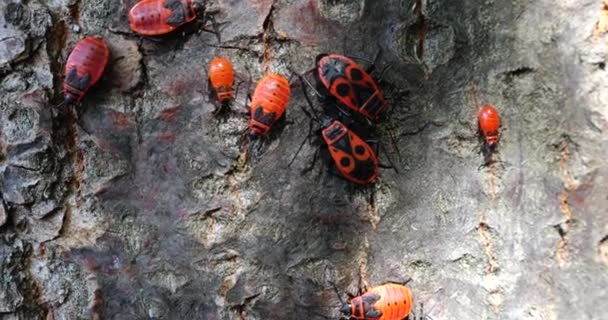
x=389, y=301
x=221, y=79
x=489, y=122
x=268, y=103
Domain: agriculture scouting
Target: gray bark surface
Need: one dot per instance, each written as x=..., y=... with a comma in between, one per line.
x=140, y=203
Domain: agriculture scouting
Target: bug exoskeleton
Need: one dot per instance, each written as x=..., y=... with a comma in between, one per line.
x=353, y=157
x=489, y=123
x=159, y=17
x=221, y=79
x=390, y=301
x=268, y=103
x=352, y=86
x=86, y=63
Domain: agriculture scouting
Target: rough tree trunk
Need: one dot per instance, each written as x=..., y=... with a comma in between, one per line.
x=155, y=213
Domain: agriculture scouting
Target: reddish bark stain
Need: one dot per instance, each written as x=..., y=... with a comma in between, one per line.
x=101, y=190
x=42, y=249
x=260, y=4
x=579, y=195
x=120, y=119
x=308, y=24
x=167, y=136
x=168, y=114
x=176, y=87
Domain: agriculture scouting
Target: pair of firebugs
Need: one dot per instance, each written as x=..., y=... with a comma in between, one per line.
x=343, y=83
x=269, y=100
x=90, y=56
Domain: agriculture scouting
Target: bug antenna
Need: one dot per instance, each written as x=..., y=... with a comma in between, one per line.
x=381, y=76
x=303, y=79
x=312, y=114
x=336, y=290
x=390, y=160
x=302, y=144
x=474, y=91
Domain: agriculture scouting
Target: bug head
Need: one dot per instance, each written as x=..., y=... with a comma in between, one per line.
x=326, y=122
x=254, y=133
x=199, y=7
x=491, y=141
x=68, y=99
x=346, y=309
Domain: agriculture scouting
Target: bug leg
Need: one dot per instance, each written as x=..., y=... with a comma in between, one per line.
x=238, y=86
x=402, y=282
x=333, y=284
x=380, y=77
x=215, y=26
x=379, y=145
x=388, y=157
x=362, y=287
x=372, y=63
x=376, y=59
x=312, y=163
x=303, y=142
x=422, y=311
x=157, y=40
x=391, y=135
x=80, y=124
x=313, y=113
x=247, y=102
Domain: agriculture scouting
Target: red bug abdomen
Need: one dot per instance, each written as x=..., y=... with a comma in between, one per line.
x=158, y=17
x=395, y=302
x=221, y=76
x=489, y=122
x=84, y=67
x=269, y=102
x=353, y=157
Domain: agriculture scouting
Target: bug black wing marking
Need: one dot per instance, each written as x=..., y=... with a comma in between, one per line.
x=363, y=170
x=368, y=306
x=265, y=118
x=178, y=15
x=80, y=83
x=358, y=89
x=362, y=93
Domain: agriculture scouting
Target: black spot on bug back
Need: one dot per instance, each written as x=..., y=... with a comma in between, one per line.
x=178, y=15
x=265, y=118
x=364, y=170
x=356, y=74
x=345, y=162
x=362, y=93
x=343, y=89
x=80, y=83
x=359, y=150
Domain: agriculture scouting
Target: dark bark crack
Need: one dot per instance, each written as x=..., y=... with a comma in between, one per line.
x=267, y=38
